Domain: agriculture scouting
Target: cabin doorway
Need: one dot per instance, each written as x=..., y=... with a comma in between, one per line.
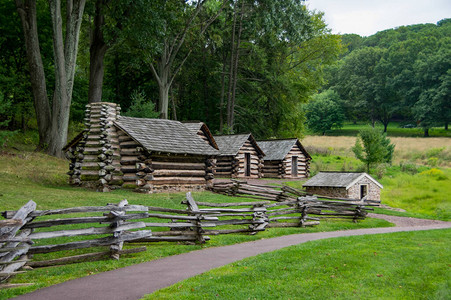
x=294, y=166
x=247, y=164
x=363, y=190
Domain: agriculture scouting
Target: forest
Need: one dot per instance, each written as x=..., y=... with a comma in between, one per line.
x=266, y=67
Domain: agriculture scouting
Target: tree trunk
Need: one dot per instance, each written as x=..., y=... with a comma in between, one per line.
x=230, y=83
x=426, y=132
x=27, y=12
x=221, y=101
x=446, y=125
x=97, y=53
x=65, y=59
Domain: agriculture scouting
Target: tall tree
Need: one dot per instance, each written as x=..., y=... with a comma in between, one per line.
x=53, y=123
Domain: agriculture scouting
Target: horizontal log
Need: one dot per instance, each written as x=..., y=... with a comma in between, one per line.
x=81, y=258
x=13, y=285
x=176, y=217
x=178, y=165
x=82, y=220
x=194, y=173
x=86, y=231
x=178, y=180
x=124, y=237
x=10, y=222
x=231, y=204
x=82, y=209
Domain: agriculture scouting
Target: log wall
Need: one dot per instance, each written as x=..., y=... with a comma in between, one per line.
x=235, y=167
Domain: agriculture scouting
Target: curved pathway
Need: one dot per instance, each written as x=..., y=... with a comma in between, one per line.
x=133, y=282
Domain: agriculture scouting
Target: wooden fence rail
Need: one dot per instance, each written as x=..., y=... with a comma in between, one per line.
x=29, y=231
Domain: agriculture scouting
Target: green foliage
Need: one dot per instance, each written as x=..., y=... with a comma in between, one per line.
x=324, y=113
x=424, y=191
x=383, y=266
x=141, y=107
x=5, y=107
x=373, y=147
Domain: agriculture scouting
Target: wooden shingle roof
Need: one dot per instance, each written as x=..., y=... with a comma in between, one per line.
x=158, y=135
x=337, y=179
x=231, y=144
x=278, y=149
x=195, y=127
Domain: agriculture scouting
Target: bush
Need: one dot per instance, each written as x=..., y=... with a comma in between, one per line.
x=436, y=173
x=141, y=107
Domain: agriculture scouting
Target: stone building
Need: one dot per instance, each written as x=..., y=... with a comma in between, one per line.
x=285, y=158
x=344, y=185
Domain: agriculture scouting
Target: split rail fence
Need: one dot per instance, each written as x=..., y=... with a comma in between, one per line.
x=29, y=232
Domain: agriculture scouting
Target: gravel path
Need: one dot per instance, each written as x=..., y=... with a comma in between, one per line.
x=133, y=282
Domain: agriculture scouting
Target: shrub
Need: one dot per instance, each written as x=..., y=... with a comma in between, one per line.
x=436, y=173
x=409, y=168
x=141, y=107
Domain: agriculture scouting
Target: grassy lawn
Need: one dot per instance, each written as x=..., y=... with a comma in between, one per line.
x=28, y=175
x=407, y=265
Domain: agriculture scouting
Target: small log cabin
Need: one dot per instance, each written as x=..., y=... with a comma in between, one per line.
x=148, y=155
x=344, y=185
x=240, y=156
x=285, y=158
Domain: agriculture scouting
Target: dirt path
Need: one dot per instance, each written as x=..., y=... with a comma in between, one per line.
x=135, y=281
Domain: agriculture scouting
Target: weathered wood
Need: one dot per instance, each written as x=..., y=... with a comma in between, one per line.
x=232, y=204
x=80, y=258
x=21, y=214
x=14, y=285
x=10, y=222
x=177, y=165
x=81, y=220
x=81, y=209
x=107, y=241
x=86, y=231
x=182, y=173
x=178, y=180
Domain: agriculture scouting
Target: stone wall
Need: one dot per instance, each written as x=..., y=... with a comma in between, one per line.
x=327, y=191
x=374, y=191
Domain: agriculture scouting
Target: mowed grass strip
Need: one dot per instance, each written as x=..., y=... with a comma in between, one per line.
x=406, y=265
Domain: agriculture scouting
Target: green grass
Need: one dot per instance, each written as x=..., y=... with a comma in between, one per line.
x=29, y=175
x=406, y=265
x=427, y=193
x=393, y=129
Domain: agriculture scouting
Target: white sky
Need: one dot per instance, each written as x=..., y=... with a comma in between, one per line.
x=366, y=17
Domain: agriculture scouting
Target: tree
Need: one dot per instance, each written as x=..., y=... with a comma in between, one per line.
x=52, y=122
x=373, y=147
x=324, y=113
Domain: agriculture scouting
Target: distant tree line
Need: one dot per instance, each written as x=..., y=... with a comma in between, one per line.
x=402, y=73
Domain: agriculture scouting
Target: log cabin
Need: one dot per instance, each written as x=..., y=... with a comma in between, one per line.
x=240, y=156
x=285, y=158
x=344, y=185
x=147, y=155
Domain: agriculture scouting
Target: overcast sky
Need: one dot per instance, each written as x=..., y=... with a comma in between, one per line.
x=366, y=17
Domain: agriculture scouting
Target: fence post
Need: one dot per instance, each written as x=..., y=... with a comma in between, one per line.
x=17, y=248
x=258, y=215
x=116, y=222
x=194, y=211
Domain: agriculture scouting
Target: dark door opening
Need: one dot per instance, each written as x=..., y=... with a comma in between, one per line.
x=294, y=166
x=363, y=191
x=247, y=164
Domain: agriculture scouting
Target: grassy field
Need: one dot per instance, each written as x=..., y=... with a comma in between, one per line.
x=29, y=175
x=407, y=265
x=394, y=129
x=26, y=175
